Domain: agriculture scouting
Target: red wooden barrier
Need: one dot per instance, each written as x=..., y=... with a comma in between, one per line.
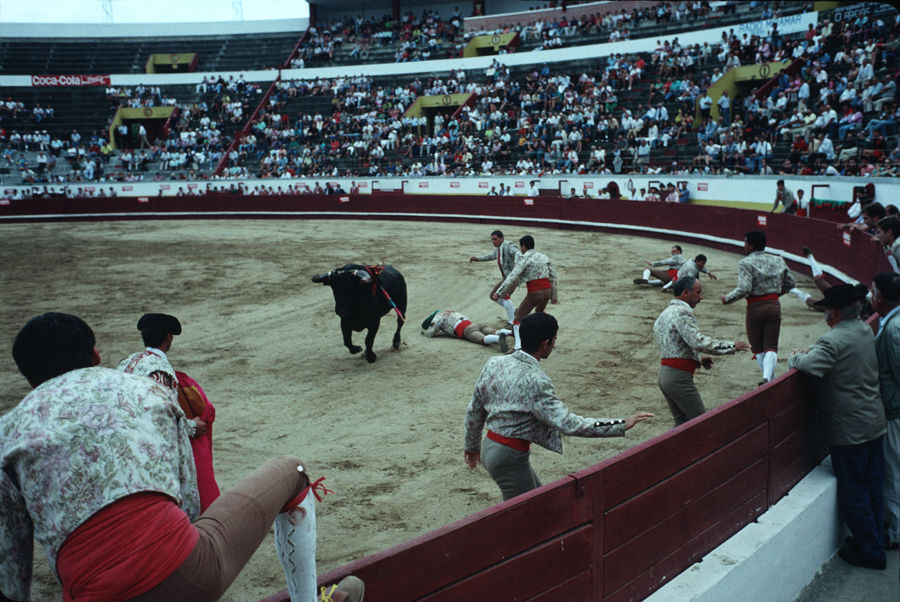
x=617, y=530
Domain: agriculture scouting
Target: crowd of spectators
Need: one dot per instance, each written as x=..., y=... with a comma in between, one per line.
x=563, y=29
x=414, y=38
x=548, y=122
x=429, y=36
x=834, y=112
x=198, y=134
x=12, y=110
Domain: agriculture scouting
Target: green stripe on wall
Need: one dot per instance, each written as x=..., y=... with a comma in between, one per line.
x=733, y=204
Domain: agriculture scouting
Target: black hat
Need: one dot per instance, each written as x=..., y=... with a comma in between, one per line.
x=160, y=322
x=841, y=295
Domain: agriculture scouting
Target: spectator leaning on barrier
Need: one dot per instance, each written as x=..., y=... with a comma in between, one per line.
x=886, y=301
x=887, y=231
x=845, y=365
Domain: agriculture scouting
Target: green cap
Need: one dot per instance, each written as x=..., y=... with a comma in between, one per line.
x=428, y=320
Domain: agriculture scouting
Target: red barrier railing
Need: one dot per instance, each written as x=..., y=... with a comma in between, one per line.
x=673, y=222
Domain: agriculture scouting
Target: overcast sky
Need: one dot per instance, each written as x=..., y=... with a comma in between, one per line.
x=148, y=11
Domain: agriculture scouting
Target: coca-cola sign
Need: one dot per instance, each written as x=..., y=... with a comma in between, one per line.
x=69, y=80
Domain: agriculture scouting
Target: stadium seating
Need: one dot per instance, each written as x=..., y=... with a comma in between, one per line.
x=511, y=135
x=27, y=56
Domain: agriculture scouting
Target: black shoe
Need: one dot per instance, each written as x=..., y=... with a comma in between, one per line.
x=503, y=345
x=852, y=554
x=806, y=252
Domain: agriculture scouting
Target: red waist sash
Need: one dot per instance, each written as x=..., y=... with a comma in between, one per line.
x=125, y=549
x=680, y=363
x=518, y=444
x=461, y=328
x=538, y=285
x=769, y=297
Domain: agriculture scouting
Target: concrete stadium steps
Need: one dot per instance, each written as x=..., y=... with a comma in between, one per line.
x=240, y=53
x=309, y=105
x=27, y=56
x=81, y=108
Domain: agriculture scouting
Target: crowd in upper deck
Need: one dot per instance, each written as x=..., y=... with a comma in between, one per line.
x=637, y=113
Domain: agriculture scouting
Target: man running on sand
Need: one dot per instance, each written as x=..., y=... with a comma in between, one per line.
x=505, y=253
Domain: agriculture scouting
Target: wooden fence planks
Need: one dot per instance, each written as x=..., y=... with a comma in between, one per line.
x=456, y=552
x=529, y=574
x=681, y=530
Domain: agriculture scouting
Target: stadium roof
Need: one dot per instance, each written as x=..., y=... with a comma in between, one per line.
x=157, y=11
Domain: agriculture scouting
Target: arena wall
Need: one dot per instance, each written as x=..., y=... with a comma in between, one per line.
x=618, y=530
x=843, y=253
x=753, y=192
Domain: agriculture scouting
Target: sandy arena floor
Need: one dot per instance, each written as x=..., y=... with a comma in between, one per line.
x=265, y=344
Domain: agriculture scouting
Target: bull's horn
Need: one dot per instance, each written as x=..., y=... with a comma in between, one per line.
x=363, y=275
x=321, y=277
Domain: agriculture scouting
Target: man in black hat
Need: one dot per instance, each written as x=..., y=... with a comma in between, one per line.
x=157, y=331
x=845, y=364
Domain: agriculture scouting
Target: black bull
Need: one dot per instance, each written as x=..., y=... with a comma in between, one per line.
x=361, y=297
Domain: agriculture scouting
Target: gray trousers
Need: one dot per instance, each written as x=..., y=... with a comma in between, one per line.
x=510, y=468
x=682, y=396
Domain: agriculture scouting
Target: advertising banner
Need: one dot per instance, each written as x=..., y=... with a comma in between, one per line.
x=69, y=80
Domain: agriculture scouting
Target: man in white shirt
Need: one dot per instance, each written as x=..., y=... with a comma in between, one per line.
x=705, y=103
x=142, y=133
x=724, y=103
x=826, y=147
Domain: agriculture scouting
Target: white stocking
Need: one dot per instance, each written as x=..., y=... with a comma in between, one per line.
x=814, y=266
x=769, y=360
x=516, y=333
x=510, y=310
x=490, y=339
x=800, y=294
x=295, y=541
